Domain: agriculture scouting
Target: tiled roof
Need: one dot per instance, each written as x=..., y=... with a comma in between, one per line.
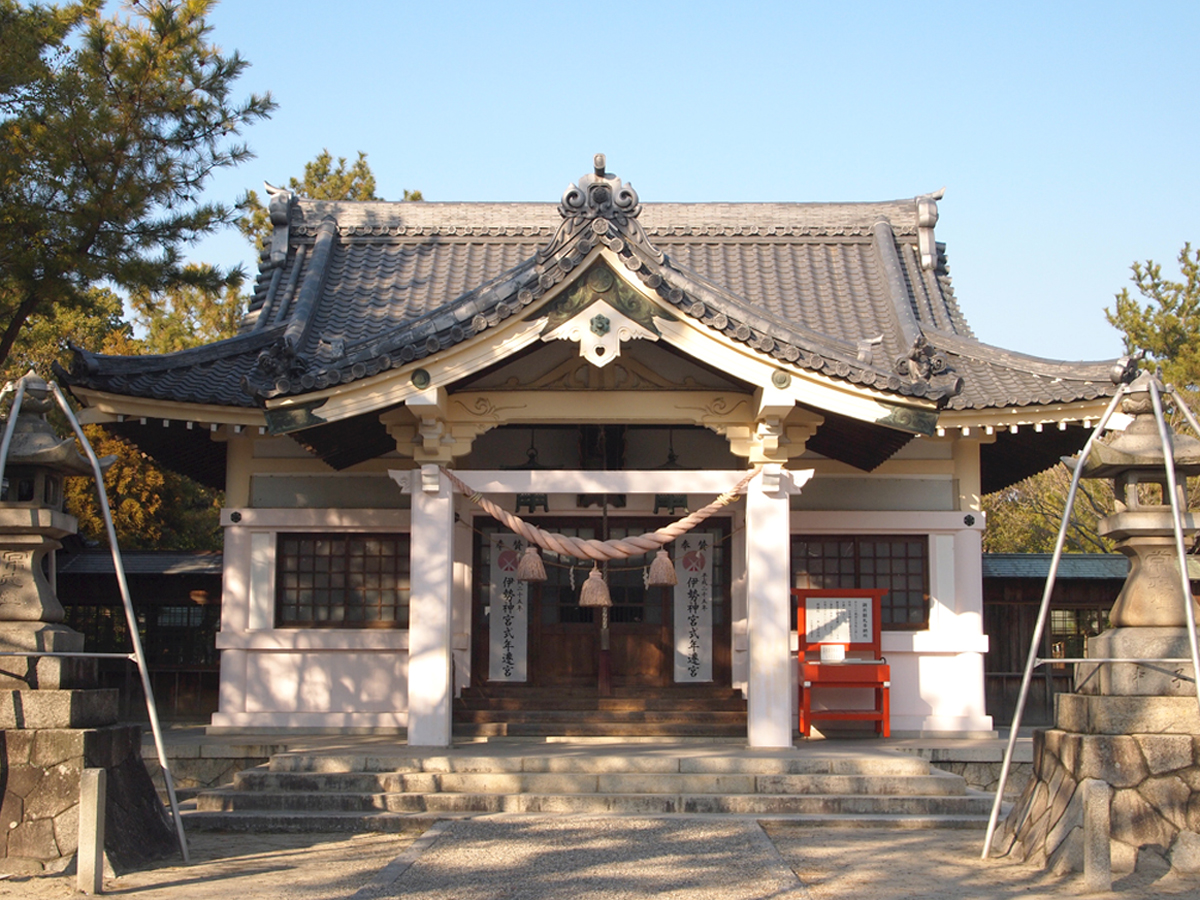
x=1091, y=566
x=141, y=562
x=1109, y=566
x=855, y=291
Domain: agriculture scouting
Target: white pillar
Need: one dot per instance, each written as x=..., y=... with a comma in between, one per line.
x=429, y=628
x=767, y=607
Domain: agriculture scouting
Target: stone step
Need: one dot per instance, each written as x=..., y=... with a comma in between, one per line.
x=540, y=696
x=286, y=822
x=54, y=709
x=647, y=762
x=694, y=727
x=622, y=803
x=591, y=783
x=590, y=716
x=359, y=792
x=416, y=823
x=603, y=704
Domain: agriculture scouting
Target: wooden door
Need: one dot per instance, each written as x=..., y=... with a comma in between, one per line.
x=564, y=638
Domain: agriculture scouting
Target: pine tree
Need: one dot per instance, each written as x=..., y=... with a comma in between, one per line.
x=109, y=129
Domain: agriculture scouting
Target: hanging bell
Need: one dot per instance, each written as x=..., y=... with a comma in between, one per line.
x=662, y=571
x=531, y=567
x=595, y=591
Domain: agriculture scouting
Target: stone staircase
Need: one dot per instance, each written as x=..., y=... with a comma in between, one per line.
x=403, y=791
x=517, y=710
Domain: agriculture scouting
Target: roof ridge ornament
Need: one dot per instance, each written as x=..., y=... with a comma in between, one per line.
x=927, y=217
x=598, y=207
x=599, y=194
x=279, y=207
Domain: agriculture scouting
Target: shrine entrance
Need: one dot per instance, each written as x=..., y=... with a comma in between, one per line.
x=562, y=641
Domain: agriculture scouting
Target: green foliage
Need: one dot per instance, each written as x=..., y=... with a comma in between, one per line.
x=186, y=316
x=46, y=336
x=152, y=508
x=322, y=181
x=1163, y=322
x=31, y=38
x=1025, y=517
x=1167, y=325
x=109, y=129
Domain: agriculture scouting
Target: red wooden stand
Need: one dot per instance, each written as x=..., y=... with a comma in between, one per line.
x=868, y=670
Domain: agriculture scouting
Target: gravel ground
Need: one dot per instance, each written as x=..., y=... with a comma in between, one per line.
x=878, y=864
x=598, y=858
x=243, y=867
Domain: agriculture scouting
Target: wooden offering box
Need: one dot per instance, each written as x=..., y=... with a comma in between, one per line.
x=839, y=648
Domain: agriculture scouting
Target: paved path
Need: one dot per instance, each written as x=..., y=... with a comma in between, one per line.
x=592, y=858
x=599, y=858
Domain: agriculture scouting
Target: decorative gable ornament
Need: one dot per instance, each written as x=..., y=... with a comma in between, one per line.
x=599, y=329
x=599, y=207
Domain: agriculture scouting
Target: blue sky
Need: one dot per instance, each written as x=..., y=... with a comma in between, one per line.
x=1065, y=134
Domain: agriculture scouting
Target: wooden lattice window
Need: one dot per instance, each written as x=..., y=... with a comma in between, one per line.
x=899, y=563
x=342, y=581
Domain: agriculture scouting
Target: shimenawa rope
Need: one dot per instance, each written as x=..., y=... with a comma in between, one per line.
x=617, y=548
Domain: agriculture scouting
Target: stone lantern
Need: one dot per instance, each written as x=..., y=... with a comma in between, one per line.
x=1128, y=730
x=56, y=722
x=32, y=523
x=1149, y=618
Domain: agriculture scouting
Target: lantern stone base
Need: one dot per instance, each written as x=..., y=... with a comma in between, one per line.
x=1129, y=680
x=39, y=816
x=1148, y=751
x=49, y=737
x=58, y=709
x=29, y=672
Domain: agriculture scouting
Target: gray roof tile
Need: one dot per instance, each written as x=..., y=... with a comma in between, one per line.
x=801, y=283
x=1107, y=566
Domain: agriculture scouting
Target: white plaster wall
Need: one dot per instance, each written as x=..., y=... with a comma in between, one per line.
x=937, y=673
x=326, y=682
x=301, y=678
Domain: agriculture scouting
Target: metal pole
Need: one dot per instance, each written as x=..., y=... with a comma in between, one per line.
x=131, y=617
x=10, y=425
x=1177, y=521
x=1038, y=628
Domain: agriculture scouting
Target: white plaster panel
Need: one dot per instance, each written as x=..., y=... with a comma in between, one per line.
x=837, y=492
x=938, y=692
x=931, y=642
x=235, y=581
x=326, y=682
x=262, y=581
x=968, y=573
x=364, y=639
x=941, y=583
x=231, y=694
x=883, y=521
x=318, y=519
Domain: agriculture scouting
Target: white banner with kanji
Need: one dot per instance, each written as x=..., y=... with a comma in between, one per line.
x=508, y=659
x=693, y=606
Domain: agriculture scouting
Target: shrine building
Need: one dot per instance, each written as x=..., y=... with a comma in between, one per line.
x=598, y=367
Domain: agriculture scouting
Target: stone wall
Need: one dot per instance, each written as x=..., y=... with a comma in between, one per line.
x=39, y=816
x=1154, y=806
